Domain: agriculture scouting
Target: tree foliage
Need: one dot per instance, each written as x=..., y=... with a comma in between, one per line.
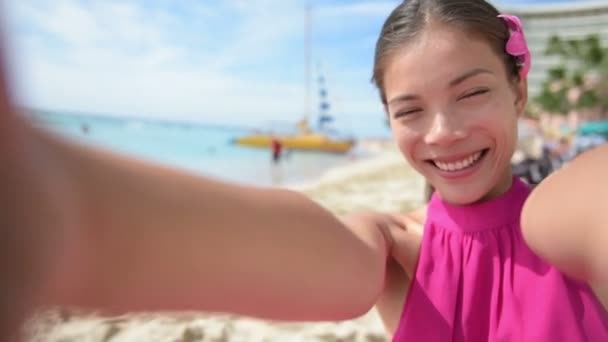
x=580, y=81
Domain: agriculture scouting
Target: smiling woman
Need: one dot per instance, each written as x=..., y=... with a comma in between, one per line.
x=453, y=78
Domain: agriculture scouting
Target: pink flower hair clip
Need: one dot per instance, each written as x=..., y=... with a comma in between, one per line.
x=516, y=45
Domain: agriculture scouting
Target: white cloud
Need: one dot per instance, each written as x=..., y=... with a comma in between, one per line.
x=260, y=32
x=137, y=59
x=70, y=22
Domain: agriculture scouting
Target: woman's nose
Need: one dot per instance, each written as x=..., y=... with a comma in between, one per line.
x=444, y=130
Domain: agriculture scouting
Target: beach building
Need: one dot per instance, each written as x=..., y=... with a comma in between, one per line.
x=570, y=20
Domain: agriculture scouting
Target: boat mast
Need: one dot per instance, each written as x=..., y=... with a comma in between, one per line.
x=324, y=105
x=308, y=43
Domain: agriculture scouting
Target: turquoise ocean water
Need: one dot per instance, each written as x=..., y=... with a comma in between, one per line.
x=204, y=148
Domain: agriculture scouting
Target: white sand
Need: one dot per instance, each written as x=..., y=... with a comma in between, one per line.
x=384, y=183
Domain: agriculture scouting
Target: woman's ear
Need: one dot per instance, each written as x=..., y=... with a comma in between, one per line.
x=520, y=88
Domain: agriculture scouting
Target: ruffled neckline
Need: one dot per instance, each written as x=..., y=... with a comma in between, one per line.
x=499, y=212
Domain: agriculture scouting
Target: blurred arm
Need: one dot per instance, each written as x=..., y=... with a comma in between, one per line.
x=565, y=219
x=154, y=238
x=89, y=228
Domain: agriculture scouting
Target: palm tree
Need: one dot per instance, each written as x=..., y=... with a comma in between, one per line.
x=580, y=81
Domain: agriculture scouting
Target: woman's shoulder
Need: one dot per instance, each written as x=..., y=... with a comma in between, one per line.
x=401, y=267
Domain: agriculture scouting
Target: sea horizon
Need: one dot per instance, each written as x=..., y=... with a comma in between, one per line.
x=203, y=147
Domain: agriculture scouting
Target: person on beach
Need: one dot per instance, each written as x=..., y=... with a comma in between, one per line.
x=93, y=229
x=276, y=148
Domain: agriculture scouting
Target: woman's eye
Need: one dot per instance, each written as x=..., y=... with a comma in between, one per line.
x=404, y=113
x=474, y=93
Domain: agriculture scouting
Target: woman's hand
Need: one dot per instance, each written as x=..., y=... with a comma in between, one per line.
x=402, y=234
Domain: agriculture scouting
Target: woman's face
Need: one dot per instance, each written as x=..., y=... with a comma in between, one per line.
x=453, y=112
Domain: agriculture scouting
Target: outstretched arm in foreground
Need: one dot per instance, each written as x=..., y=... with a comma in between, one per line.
x=89, y=228
x=130, y=235
x=565, y=219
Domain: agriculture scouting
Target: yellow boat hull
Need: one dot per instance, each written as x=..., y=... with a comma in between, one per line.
x=311, y=142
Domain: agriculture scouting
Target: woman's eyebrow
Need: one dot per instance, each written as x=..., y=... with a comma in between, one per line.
x=403, y=98
x=458, y=80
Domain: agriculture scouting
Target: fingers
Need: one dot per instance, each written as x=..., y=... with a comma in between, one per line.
x=367, y=225
x=403, y=242
x=386, y=228
x=397, y=222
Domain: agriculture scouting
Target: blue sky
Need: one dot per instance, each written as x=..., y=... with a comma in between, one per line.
x=231, y=61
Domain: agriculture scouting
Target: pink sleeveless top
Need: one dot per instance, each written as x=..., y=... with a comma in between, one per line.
x=477, y=280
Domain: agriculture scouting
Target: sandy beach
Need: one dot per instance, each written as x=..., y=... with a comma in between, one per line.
x=381, y=183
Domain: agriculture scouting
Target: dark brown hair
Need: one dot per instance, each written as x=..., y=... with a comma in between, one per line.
x=410, y=18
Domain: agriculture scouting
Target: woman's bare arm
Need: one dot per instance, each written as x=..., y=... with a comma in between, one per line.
x=147, y=237
x=90, y=228
x=565, y=219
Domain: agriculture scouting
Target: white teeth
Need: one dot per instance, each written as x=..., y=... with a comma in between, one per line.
x=459, y=165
